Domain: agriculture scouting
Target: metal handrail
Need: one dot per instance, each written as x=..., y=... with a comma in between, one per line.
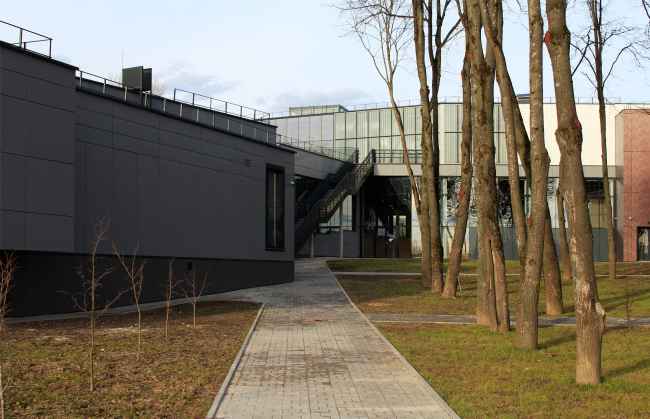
x=441, y=100
x=397, y=156
x=348, y=185
x=23, y=44
x=310, y=146
x=302, y=207
x=259, y=116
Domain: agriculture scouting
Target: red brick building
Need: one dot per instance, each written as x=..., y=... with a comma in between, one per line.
x=633, y=184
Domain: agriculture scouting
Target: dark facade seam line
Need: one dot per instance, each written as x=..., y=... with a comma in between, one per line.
x=38, y=103
x=200, y=124
x=36, y=158
x=173, y=161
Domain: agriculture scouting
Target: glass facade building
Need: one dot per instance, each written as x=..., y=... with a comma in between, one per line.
x=333, y=126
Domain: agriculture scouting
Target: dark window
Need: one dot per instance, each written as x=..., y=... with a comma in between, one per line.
x=275, y=208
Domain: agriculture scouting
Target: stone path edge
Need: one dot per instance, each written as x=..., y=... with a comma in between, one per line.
x=424, y=382
x=355, y=273
x=231, y=372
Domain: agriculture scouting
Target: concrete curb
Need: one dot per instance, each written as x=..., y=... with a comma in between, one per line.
x=424, y=382
x=226, y=382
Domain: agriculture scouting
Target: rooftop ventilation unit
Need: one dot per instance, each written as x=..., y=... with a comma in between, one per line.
x=137, y=77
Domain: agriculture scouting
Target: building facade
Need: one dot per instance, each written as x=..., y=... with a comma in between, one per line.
x=211, y=190
x=382, y=216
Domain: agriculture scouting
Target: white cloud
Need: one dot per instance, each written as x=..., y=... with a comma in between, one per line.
x=183, y=75
x=345, y=96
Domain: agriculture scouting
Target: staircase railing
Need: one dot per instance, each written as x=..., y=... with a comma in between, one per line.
x=302, y=207
x=327, y=205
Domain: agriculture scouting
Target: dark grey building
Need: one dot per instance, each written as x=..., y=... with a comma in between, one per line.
x=209, y=188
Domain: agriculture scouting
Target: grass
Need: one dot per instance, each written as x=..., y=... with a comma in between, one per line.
x=406, y=295
x=483, y=375
x=466, y=266
x=179, y=378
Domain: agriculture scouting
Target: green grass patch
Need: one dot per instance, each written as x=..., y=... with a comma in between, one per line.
x=179, y=378
x=483, y=375
x=466, y=266
x=406, y=295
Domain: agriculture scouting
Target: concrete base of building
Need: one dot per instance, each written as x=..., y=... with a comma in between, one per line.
x=44, y=282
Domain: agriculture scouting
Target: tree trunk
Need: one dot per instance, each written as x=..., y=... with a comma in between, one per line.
x=462, y=217
x=485, y=169
x=92, y=352
x=564, y=245
x=429, y=203
x=552, y=280
x=590, y=315
x=596, y=17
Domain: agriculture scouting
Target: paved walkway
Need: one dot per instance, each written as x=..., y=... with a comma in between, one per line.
x=338, y=366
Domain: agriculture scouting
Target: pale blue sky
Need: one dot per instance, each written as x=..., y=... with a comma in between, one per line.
x=264, y=54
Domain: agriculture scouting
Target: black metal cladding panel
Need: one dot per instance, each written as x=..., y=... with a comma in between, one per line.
x=147, y=79
x=132, y=77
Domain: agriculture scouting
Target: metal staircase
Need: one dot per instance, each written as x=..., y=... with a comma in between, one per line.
x=326, y=199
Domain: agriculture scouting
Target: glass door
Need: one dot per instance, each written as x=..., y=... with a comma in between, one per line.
x=643, y=243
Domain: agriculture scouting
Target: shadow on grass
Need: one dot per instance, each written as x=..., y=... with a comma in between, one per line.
x=558, y=341
x=641, y=365
x=611, y=303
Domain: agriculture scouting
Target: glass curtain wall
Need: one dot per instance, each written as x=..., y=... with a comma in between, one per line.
x=378, y=130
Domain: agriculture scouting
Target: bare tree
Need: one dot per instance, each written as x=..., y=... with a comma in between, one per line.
x=196, y=288
x=135, y=275
x=169, y=293
x=91, y=280
x=590, y=315
x=8, y=267
x=453, y=267
x=431, y=44
x=492, y=304
x=601, y=35
x=158, y=88
x=383, y=28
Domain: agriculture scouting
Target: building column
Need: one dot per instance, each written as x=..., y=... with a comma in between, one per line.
x=311, y=245
x=341, y=231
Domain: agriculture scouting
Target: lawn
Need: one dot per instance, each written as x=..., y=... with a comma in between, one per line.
x=483, y=375
x=466, y=266
x=406, y=295
x=179, y=378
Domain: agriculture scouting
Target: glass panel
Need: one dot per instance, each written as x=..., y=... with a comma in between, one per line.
x=362, y=144
x=373, y=143
x=385, y=143
x=339, y=126
x=410, y=142
x=386, y=122
x=315, y=128
x=282, y=126
x=351, y=126
x=409, y=121
x=643, y=243
x=292, y=128
x=303, y=134
x=373, y=123
x=327, y=128
x=275, y=209
x=362, y=124
x=418, y=120
x=452, y=148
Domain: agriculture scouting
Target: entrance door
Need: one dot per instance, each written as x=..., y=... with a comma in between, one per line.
x=643, y=243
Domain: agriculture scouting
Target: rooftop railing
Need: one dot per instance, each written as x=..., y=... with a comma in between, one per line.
x=258, y=131
x=27, y=39
x=219, y=105
x=441, y=100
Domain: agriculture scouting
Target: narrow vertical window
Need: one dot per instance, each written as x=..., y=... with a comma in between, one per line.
x=275, y=207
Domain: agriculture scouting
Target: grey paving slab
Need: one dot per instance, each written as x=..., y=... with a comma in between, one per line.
x=314, y=355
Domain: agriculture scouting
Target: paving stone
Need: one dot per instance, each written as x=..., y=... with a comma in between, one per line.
x=335, y=367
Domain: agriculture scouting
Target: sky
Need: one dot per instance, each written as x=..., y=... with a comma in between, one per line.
x=267, y=55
